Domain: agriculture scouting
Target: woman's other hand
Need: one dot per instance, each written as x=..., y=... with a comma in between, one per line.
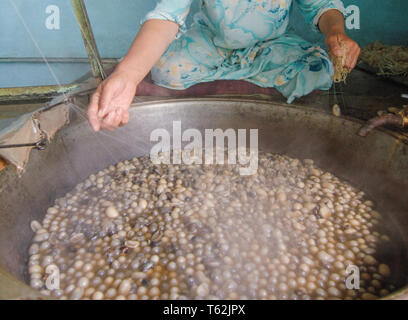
x=331, y=24
x=351, y=48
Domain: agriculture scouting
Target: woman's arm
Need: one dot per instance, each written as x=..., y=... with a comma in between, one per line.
x=110, y=103
x=151, y=42
x=331, y=24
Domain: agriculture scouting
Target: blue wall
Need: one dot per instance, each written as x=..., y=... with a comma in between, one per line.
x=115, y=23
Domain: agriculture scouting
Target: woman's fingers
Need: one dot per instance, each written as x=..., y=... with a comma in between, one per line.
x=125, y=118
x=106, y=100
x=102, y=111
x=109, y=104
x=93, y=110
x=333, y=44
x=112, y=120
x=352, y=57
x=352, y=50
x=352, y=53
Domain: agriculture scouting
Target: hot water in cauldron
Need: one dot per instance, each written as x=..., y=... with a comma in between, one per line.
x=143, y=231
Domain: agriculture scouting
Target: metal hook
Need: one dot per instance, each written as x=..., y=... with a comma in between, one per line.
x=39, y=145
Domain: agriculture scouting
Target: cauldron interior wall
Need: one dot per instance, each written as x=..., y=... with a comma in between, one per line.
x=377, y=164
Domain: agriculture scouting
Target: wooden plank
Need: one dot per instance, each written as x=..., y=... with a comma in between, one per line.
x=33, y=94
x=3, y=164
x=89, y=39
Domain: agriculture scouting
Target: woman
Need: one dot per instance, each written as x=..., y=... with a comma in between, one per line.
x=229, y=39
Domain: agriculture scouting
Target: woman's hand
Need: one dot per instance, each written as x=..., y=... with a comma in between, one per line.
x=110, y=103
x=331, y=24
x=351, y=49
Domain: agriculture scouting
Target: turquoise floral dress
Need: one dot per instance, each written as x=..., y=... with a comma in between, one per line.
x=244, y=40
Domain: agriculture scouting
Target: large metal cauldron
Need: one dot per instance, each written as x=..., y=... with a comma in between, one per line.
x=377, y=164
